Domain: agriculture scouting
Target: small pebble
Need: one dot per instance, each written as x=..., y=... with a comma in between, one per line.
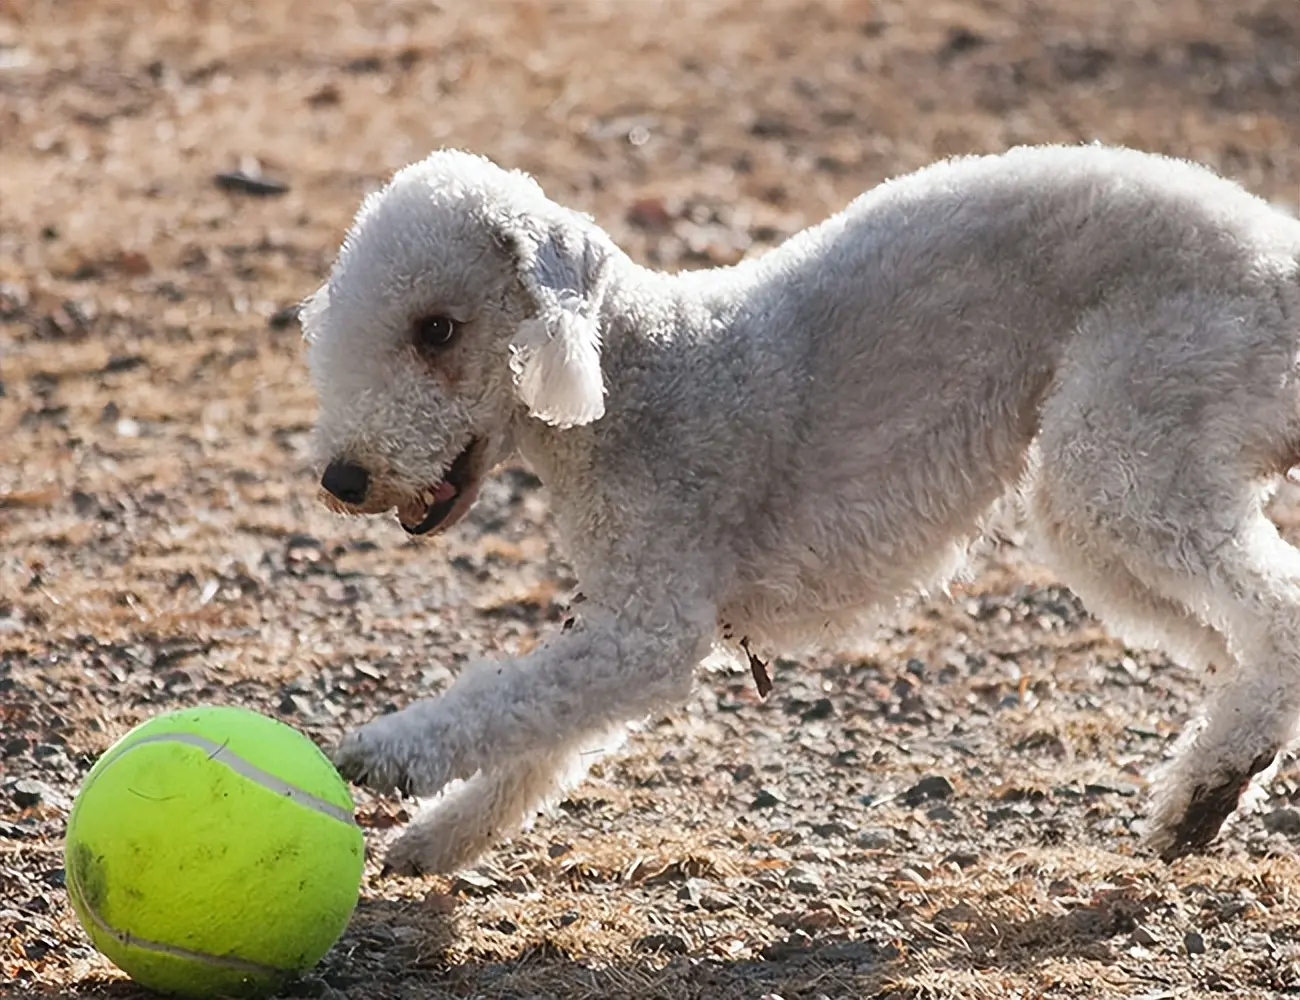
x=936, y=786
x=716, y=901
x=14, y=746
x=1258, y=942
x=804, y=881
x=1143, y=936
x=693, y=890
x=669, y=944
x=1194, y=943
x=1124, y=789
x=26, y=792
x=245, y=183
x=1285, y=820
x=874, y=838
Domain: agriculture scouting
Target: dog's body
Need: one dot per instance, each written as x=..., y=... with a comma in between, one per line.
x=779, y=450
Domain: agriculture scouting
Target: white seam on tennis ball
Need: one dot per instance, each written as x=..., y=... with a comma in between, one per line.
x=129, y=940
x=221, y=753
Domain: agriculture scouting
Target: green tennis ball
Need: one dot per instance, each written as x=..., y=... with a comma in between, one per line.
x=212, y=852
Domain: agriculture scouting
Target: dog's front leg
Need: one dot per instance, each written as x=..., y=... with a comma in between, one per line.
x=472, y=816
x=618, y=666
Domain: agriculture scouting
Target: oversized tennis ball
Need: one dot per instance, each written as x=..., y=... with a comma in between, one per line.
x=212, y=852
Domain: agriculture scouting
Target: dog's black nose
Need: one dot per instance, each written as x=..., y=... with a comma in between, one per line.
x=346, y=481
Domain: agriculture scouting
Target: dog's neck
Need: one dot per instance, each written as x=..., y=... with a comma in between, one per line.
x=639, y=313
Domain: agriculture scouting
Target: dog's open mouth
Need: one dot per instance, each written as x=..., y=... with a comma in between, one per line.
x=444, y=503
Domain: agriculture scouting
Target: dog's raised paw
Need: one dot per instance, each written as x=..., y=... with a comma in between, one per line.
x=351, y=759
x=363, y=758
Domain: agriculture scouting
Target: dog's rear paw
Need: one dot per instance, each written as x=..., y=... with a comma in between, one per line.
x=1181, y=827
x=1200, y=822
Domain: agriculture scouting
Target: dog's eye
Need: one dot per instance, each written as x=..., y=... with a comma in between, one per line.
x=433, y=332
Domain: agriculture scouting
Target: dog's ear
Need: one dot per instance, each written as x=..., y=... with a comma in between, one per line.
x=555, y=355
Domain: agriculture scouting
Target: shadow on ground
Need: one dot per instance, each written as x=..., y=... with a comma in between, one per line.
x=858, y=968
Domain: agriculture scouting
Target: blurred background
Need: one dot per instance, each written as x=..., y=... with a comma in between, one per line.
x=946, y=813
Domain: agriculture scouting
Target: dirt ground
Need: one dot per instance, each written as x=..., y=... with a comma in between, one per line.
x=948, y=813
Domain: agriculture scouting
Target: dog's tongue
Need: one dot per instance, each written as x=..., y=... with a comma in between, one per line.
x=443, y=492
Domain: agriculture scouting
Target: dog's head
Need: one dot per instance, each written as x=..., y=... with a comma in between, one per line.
x=462, y=300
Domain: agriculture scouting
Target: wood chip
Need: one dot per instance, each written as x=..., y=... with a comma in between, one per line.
x=762, y=679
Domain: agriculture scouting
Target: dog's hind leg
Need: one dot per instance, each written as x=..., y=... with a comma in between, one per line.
x=1132, y=611
x=1150, y=497
x=1245, y=587
x=1251, y=588
x=1142, y=617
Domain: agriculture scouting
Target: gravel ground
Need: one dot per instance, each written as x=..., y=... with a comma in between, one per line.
x=946, y=812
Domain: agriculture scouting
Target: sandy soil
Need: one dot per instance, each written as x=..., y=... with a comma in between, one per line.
x=948, y=813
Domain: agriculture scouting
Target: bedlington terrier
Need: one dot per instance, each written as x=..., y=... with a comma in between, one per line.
x=774, y=452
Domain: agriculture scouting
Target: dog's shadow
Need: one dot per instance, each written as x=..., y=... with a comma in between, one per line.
x=407, y=948
x=402, y=948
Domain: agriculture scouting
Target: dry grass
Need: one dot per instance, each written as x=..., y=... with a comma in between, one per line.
x=159, y=544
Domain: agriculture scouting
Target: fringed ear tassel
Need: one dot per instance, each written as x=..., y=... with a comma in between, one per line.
x=556, y=365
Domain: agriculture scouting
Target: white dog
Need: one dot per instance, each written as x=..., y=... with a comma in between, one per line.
x=776, y=451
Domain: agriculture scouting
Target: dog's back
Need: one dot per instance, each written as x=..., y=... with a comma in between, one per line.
x=931, y=321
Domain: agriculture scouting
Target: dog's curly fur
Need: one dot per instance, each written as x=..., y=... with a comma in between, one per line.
x=780, y=449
